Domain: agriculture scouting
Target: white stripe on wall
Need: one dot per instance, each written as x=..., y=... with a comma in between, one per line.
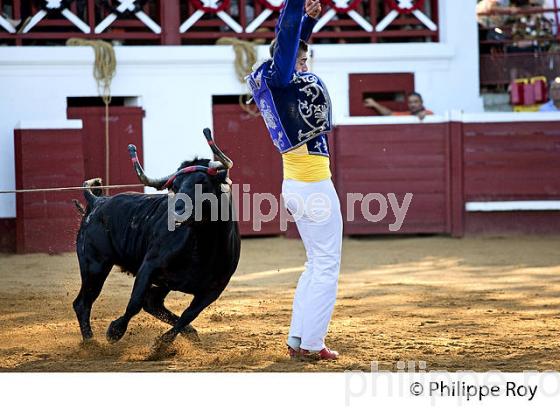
x=498, y=206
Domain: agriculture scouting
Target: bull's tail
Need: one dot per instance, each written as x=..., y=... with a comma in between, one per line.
x=92, y=195
x=79, y=207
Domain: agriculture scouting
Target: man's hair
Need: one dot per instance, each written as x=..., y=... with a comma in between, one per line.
x=415, y=94
x=302, y=48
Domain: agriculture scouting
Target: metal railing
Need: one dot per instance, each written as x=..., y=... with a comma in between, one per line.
x=174, y=22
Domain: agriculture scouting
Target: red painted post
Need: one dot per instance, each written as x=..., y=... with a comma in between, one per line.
x=456, y=180
x=170, y=15
x=373, y=16
x=336, y=173
x=17, y=15
x=20, y=232
x=91, y=13
x=435, y=18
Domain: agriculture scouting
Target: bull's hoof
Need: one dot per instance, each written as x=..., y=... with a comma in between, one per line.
x=116, y=330
x=190, y=333
x=163, y=347
x=164, y=341
x=87, y=335
x=90, y=345
x=161, y=352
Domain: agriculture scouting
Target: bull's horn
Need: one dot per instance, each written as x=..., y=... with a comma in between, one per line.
x=154, y=183
x=226, y=162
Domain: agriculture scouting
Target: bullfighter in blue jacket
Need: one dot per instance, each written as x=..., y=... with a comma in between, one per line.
x=296, y=108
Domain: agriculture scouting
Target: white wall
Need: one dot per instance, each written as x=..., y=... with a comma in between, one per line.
x=175, y=85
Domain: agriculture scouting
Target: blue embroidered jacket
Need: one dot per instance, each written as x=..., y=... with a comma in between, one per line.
x=295, y=106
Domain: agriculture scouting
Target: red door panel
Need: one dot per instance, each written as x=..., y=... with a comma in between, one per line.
x=125, y=127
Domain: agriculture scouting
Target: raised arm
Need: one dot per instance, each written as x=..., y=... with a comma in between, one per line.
x=312, y=12
x=381, y=109
x=288, y=31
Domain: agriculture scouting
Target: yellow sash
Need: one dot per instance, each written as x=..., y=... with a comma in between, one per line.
x=301, y=166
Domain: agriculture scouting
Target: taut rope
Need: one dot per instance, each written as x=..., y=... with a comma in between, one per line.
x=72, y=188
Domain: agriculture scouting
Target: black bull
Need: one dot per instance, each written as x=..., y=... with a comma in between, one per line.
x=130, y=230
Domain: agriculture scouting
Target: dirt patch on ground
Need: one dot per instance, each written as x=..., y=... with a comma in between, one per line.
x=475, y=303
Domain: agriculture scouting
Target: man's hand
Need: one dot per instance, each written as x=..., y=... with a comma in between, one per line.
x=370, y=103
x=313, y=8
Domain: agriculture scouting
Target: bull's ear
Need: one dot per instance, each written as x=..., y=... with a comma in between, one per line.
x=171, y=190
x=223, y=179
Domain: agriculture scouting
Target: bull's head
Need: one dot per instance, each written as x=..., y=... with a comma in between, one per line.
x=201, y=177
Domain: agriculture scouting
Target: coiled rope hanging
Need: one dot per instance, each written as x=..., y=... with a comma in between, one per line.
x=104, y=70
x=245, y=59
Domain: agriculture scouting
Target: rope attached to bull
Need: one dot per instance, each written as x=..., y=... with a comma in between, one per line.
x=70, y=188
x=104, y=71
x=245, y=59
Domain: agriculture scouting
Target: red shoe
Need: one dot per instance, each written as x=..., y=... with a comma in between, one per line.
x=294, y=354
x=325, y=354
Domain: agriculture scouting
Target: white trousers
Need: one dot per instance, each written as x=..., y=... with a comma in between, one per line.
x=316, y=209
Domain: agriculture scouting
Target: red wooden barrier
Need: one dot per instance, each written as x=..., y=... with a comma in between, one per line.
x=397, y=159
x=512, y=162
x=7, y=235
x=444, y=165
x=456, y=178
x=505, y=161
x=47, y=222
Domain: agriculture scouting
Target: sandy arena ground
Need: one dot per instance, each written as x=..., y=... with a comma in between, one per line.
x=476, y=304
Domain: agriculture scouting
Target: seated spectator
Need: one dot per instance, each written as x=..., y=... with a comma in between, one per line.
x=489, y=6
x=531, y=31
x=554, y=104
x=415, y=107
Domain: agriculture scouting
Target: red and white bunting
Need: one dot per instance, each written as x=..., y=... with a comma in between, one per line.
x=399, y=7
x=270, y=7
x=52, y=5
x=343, y=7
x=216, y=7
x=7, y=25
x=123, y=7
